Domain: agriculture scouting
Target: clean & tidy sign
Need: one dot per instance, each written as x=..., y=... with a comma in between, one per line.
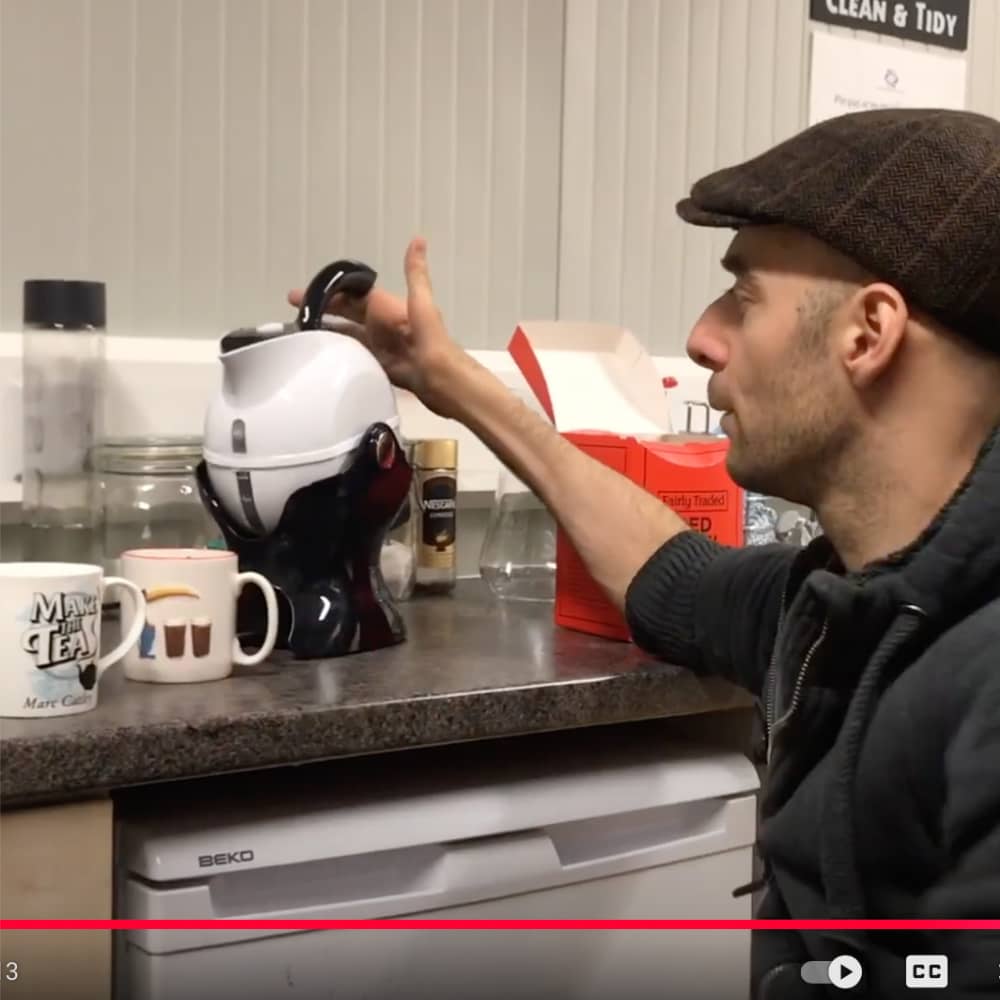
x=936, y=22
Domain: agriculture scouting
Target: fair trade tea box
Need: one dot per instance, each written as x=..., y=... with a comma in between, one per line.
x=602, y=392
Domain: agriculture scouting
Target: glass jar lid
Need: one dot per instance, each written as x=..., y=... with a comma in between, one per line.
x=148, y=455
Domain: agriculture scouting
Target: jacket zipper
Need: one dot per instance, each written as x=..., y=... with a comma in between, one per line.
x=797, y=690
x=772, y=678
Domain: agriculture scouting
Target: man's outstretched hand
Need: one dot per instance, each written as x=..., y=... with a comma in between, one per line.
x=408, y=338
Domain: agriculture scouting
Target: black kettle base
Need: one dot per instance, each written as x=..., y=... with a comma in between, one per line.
x=323, y=557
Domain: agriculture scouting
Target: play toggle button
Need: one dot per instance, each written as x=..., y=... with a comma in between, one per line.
x=844, y=972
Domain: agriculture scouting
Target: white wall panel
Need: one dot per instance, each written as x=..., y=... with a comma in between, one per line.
x=203, y=156
x=109, y=226
x=156, y=135
x=44, y=86
x=984, y=62
x=201, y=114
x=242, y=201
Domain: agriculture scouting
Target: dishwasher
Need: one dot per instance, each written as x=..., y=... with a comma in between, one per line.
x=630, y=829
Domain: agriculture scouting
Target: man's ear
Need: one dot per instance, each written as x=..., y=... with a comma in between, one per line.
x=874, y=331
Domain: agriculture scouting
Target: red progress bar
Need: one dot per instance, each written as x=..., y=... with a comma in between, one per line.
x=513, y=925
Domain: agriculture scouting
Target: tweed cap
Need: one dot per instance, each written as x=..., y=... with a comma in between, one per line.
x=912, y=195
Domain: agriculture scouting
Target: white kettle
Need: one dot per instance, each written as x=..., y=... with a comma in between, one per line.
x=294, y=403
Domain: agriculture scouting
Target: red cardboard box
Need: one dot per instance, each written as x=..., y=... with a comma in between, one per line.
x=624, y=396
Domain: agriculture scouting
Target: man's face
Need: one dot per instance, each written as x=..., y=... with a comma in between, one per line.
x=768, y=343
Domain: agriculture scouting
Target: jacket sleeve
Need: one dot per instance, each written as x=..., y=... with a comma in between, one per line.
x=970, y=832
x=709, y=607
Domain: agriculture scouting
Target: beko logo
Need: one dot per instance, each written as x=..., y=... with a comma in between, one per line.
x=227, y=858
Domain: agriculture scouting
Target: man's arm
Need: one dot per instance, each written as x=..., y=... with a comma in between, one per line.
x=614, y=524
x=711, y=608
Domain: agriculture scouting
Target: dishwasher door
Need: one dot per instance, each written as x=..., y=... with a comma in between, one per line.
x=662, y=832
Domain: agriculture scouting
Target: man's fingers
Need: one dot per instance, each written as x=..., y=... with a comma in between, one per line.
x=295, y=297
x=418, y=279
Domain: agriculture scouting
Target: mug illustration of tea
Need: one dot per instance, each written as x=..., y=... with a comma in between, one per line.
x=190, y=632
x=201, y=636
x=175, y=638
x=173, y=630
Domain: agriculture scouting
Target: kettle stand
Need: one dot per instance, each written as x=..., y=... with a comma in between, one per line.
x=323, y=557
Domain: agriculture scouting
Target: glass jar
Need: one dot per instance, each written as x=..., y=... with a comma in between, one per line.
x=760, y=519
x=398, y=559
x=149, y=498
x=518, y=557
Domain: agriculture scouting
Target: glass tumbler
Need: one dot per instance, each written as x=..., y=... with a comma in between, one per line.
x=518, y=557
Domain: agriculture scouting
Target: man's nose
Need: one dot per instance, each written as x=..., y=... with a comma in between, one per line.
x=705, y=347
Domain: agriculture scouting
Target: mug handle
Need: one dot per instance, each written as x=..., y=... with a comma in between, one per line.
x=264, y=585
x=135, y=629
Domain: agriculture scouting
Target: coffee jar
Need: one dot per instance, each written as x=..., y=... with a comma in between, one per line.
x=435, y=487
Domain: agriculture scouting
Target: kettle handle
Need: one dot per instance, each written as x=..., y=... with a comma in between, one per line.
x=349, y=277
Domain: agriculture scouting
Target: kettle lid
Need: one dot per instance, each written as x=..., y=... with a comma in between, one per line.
x=247, y=336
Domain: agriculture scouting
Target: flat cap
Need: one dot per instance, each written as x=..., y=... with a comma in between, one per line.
x=912, y=195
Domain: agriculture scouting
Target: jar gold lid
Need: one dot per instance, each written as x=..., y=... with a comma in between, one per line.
x=436, y=453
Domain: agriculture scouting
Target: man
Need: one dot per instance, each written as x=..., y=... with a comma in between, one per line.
x=857, y=360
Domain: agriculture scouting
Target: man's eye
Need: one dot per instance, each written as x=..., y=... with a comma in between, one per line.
x=737, y=296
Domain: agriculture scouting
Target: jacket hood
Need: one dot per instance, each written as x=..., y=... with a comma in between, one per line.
x=950, y=569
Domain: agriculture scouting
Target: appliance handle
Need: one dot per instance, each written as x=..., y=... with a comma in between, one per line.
x=344, y=277
x=472, y=864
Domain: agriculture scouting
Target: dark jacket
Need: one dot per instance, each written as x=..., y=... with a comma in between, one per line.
x=881, y=691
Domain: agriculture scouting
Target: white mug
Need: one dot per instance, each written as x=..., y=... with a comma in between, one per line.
x=50, y=614
x=190, y=619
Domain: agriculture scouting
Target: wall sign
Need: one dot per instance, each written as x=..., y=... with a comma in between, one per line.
x=848, y=74
x=937, y=22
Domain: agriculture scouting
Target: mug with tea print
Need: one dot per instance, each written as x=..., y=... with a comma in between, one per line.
x=189, y=630
x=51, y=615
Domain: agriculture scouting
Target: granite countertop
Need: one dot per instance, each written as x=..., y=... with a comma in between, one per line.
x=472, y=668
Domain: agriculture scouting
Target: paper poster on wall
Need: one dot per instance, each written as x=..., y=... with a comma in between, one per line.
x=936, y=22
x=852, y=75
